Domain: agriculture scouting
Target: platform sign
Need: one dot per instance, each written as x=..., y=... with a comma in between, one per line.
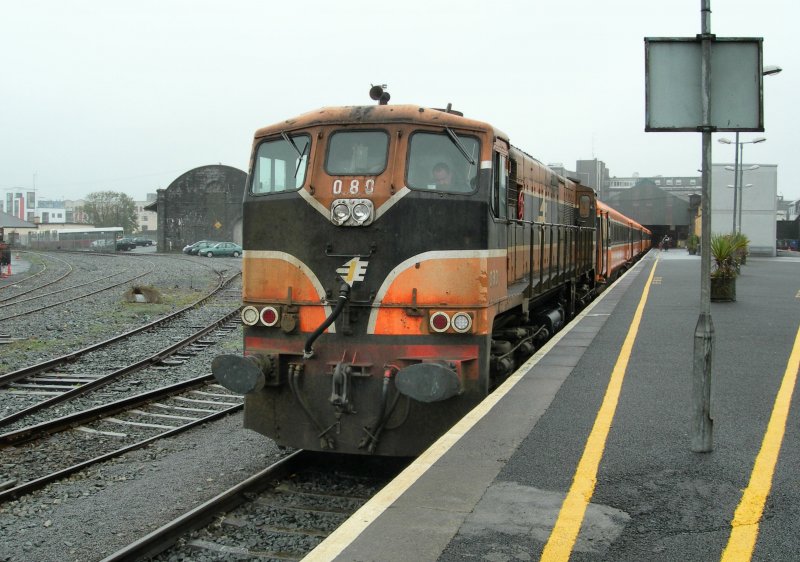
x=673, y=84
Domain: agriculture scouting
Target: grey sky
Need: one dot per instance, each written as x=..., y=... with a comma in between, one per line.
x=126, y=96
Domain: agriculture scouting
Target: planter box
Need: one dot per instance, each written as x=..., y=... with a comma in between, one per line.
x=723, y=289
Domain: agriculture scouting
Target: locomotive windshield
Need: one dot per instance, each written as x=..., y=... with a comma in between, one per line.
x=437, y=161
x=352, y=153
x=281, y=164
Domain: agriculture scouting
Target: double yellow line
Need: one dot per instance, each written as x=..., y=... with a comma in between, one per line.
x=745, y=523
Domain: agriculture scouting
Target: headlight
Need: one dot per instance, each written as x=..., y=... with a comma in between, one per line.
x=352, y=212
x=250, y=315
x=340, y=213
x=360, y=213
x=462, y=322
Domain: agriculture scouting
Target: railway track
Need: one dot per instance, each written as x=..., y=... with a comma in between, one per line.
x=54, y=382
x=15, y=289
x=280, y=513
x=41, y=307
x=91, y=436
x=63, y=378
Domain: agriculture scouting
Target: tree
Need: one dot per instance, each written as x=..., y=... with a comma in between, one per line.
x=109, y=208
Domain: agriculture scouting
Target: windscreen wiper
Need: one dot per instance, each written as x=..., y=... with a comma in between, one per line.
x=301, y=155
x=459, y=146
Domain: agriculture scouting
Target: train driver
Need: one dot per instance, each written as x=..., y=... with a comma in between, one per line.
x=442, y=176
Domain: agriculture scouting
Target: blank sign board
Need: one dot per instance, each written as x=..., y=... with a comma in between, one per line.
x=673, y=84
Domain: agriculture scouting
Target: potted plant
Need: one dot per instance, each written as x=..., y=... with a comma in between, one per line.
x=692, y=242
x=741, y=245
x=724, y=269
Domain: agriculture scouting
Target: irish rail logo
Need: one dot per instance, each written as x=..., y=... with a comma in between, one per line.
x=353, y=271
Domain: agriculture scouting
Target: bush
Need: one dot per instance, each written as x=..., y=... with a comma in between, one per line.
x=723, y=252
x=692, y=241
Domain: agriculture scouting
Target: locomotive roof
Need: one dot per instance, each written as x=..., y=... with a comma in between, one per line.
x=379, y=114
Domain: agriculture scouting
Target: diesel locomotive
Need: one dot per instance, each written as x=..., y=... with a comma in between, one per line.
x=399, y=263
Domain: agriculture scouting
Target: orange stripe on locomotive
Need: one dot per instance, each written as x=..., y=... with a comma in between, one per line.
x=269, y=276
x=469, y=280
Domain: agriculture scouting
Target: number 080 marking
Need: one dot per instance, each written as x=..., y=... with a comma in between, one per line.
x=355, y=187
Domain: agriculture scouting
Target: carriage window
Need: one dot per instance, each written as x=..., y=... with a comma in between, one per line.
x=357, y=153
x=436, y=162
x=281, y=164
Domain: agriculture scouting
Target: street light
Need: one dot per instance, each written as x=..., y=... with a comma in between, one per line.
x=737, y=172
x=740, y=192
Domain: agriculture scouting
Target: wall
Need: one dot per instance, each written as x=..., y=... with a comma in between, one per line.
x=759, y=205
x=202, y=204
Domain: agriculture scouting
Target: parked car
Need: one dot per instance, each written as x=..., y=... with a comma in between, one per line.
x=125, y=244
x=142, y=241
x=192, y=249
x=222, y=249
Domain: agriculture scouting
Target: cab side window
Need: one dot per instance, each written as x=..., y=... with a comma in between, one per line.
x=500, y=186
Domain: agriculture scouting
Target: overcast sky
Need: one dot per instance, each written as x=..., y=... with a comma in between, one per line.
x=126, y=96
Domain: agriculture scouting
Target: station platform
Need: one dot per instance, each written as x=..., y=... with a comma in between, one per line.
x=585, y=453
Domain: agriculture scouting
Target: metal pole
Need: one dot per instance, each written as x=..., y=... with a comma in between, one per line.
x=702, y=424
x=741, y=182
x=735, y=181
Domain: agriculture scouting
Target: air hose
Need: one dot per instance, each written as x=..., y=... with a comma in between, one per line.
x=344, y=295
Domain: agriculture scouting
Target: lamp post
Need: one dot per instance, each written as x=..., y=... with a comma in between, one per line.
x=738, y=166
x=740, y=190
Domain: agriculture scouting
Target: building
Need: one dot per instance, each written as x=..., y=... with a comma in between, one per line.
x=682, y=186
x=201, y=204
x=74, y=211
x=786, y=209
x=14, y=228
x=20, y=203
x=146, y=219
x=593, y=173
x=663, y=212
x=49, y=211
x=756, y=217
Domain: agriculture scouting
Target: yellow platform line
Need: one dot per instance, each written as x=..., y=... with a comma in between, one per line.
x=745, y=523
x=565, y=532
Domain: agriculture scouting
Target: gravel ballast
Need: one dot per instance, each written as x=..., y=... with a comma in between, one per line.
x=99, y=510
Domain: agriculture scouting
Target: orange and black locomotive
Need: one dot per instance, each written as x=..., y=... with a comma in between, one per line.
x=399, y=263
